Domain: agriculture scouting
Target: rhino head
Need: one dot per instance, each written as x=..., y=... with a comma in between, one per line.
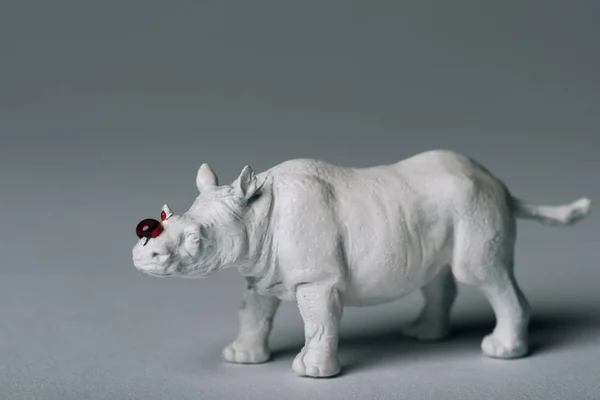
x=211, y=235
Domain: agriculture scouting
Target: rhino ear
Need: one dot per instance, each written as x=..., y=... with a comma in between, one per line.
x=246, y=184
x=206, y=178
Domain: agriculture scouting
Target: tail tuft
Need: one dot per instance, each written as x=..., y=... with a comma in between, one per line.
x=577, y=210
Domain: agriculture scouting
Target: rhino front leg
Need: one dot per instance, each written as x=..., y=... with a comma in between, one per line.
x=321, y=310
x=256, y=320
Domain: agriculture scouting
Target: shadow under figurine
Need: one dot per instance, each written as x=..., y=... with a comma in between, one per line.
x=328, y=236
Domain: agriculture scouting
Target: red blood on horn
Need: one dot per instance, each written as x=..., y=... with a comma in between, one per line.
x=148, y=228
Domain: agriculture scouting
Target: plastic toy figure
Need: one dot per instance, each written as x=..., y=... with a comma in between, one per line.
x=328, y=236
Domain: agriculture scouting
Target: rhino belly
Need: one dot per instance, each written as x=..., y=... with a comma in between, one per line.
x=386, y=284
x=386, y=261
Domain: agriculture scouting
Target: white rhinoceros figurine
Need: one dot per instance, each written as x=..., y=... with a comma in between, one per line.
x=328, y=236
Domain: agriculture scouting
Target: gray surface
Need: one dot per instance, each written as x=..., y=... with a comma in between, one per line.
x=108, y=108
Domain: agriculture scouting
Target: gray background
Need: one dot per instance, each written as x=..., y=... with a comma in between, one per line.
x=108, y=108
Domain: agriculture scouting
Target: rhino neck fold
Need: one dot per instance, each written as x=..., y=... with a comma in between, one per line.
x=259, y=261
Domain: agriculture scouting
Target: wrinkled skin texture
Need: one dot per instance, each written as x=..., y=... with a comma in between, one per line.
x=328, y=237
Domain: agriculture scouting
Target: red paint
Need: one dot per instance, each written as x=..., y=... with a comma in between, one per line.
x=156, y=231
x=163, y=215
x=148, y=228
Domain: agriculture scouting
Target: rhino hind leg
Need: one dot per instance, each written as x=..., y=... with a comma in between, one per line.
x=510, y=337
x=433, y=322
x=484, y=259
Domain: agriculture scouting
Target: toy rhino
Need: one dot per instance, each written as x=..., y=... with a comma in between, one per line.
x=328, y=236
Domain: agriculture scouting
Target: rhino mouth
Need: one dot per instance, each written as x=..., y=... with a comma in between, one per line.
x=157, y=274
x=151, y=268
